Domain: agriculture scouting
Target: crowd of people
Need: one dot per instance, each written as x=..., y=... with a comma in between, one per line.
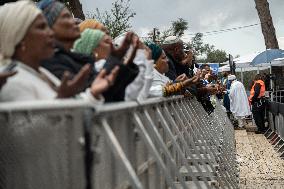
x=55, y=56
x=48, y=54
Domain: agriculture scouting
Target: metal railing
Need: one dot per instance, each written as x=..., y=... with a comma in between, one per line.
x=277, y=96
x=159, y=143
x=275, y=133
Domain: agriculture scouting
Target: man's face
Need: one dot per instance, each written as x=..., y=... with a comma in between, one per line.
x=207, y=69
x=179, y=53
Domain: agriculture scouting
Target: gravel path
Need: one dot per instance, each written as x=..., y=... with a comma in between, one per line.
x=260, y=165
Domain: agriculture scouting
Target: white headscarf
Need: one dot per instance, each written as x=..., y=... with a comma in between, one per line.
x=15, y=20
x=232, y=77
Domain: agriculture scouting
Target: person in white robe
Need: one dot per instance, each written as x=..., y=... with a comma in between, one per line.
x=239, y=104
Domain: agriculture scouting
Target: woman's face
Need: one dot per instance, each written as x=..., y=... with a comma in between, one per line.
x=162, y=63
x=39, y=40
x=65, y=27
x=104, y=48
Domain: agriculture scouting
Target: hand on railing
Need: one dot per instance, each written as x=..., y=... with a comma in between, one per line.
x=211, y=89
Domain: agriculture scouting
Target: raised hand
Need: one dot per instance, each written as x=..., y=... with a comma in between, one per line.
x=189, y=82
x=135, y=46
x=121, y=51
x=69, y=88
x=211, y=90
x=103, y=82
x=181, y=77
x=196, y=79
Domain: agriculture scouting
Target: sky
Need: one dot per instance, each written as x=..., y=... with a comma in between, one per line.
x=204, y=16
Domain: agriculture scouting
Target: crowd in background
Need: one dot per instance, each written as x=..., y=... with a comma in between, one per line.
x=48, y=54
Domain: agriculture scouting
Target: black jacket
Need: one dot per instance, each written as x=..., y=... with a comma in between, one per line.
x=68, y=61
x=72, y=62
x=176, y=68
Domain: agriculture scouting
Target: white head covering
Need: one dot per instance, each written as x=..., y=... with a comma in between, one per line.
x=119, y=39
x=172, y=40
x=15, y=20
x=118, y=42
x=232, y=77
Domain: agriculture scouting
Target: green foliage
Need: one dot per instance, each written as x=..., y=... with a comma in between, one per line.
x=160, y=35
x=117, y=20
x=216, y=56
x=206, y=51
x=179, y=26
x=198, y=46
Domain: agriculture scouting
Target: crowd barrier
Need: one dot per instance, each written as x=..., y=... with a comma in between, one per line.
x=156, y=144
x=275, y=133
x=277, y=96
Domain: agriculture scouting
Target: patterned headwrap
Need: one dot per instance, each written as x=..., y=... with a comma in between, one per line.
x=51, y=10
x=88, y=41
x=156, y=51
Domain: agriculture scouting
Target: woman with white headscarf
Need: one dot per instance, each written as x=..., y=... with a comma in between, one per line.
x=26, y=40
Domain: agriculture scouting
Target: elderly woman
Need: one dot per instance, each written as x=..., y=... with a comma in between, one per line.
x=26, y=39
x=162, y=85
x=94, y=43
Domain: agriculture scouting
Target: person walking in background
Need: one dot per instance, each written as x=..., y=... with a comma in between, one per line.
x=239, y=104
x=257, y=100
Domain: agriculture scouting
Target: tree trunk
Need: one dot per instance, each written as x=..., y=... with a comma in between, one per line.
x=76, y=8
x=268, y=30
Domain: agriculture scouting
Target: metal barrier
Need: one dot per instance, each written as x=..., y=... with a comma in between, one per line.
x=159, y=143
x=277, y=96
x=275, y=133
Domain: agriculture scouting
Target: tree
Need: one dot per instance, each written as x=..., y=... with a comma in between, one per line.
x=268, y=30
x=74, y=6
x=206, y=52
x=160, y=35
x=117, y=20
x=216, y=56
x=198, y=46
x=179, y=26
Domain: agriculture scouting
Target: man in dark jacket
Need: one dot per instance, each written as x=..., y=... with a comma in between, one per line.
x=173, y=48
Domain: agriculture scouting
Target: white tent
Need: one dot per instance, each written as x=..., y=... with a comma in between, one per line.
x=244, y=61
x=281, y=42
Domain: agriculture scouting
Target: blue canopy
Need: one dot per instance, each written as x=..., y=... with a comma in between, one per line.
x=267, y=56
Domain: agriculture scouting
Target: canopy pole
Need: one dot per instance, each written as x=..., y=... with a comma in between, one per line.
x=270, y=73
x=242, y=75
